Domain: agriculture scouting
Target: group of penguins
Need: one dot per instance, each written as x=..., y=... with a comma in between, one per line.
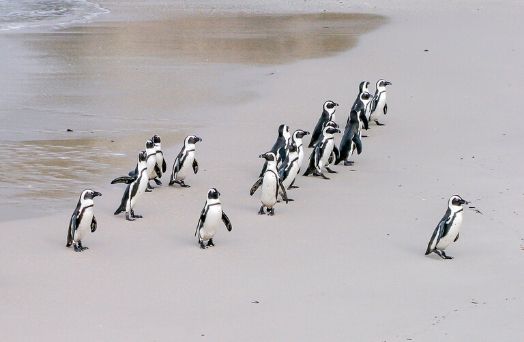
x=282, y=165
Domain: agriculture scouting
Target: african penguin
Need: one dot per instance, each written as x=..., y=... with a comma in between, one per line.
x=161, y=166
x=185, y=160
x=447, y=230
x=296, y=139
x=135, y=188
x=152, y=168
x=82, y=220
x=379, y=107
x=322, y=152
x=351, y=139
x=328, y=114
x=280, y=147
x=210, y=218
x=271, y=183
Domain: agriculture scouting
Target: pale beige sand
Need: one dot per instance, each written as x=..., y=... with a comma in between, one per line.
x=344, y=262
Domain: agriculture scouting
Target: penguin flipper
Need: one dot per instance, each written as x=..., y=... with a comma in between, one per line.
x=435, y=238
x=71, y=230
x=124, y=179
x=385, y=109
x=158, y=172
x=358, y=143
x=316, y=133
x=336, y=152
x=364, y=119
x=456, y=237
x=122, y=206
x=255, y=186
x=195, y=166
x=134, y=173
x=164, y=165
x=202, y=219
x=283, y=191
x=93, y=225
x=226, y=221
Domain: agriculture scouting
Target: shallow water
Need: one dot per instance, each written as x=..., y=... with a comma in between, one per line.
x=125, y=81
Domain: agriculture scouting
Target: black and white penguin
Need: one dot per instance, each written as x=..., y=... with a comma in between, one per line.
x=82, y=220
x=350, y=140
x=280, y=147
x=447, y=230
x=210, y=217
x=185, y=161
x=135, y=188
x=271, y=183
x=152, y=169
x=322, y=152
x=328, y=114
x=296, y=139
x=379, y=107
x=335, y=153
x=161, y=166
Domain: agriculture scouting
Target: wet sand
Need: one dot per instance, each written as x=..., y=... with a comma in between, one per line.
x=116, y=83
x=344, y=262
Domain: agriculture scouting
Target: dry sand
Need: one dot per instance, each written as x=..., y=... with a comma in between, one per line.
x=344, y=262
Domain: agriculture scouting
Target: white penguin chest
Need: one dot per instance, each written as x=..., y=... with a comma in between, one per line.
x=142, y=185
x=269, y=189
x=151, y=162
x=187, y=165
x=213, y=217
x=85, y=224
x=292, y=173
x=452, y=233
x=300, y=156
x=327, y=151
x=381, y=102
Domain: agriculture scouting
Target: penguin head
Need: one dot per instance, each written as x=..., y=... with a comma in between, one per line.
x=269, y=156
x=142, y=156
x=283, y=130
x=149, y=144
x=213, y=193
x=299, y=134
x=192, y=139
x=330, y=130
x=330, y=106
x=156, y=139
x=456, y=202
x=331, y=124
x=381, y=84
x=363, y=87
x=89, y=194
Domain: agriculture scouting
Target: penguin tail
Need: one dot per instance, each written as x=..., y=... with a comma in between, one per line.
x=428, y=251
x=119, y=210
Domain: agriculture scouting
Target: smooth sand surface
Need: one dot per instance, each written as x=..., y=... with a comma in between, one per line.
x=345, y=261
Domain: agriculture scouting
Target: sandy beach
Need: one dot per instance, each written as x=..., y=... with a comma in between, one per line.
x=344, y=261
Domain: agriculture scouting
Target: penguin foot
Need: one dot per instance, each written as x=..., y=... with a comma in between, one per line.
x=79, y=248
x=348, y=162
x=202, y=244
x=330, y=171
x=185, y=185
x=210, y=243
x=129, y=217
x=157, y=181
x=293, y=187
x=323, y=176
x=271, y=212
x=379, y=123
x=443, y=255
x=149, y=190
x=290, y=200
x=261, y=211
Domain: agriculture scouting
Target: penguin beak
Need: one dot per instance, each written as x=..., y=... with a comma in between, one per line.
x=336, y=104
x=262, y=156
x=306, y=133
x=96, y=193
x=388, y=83
x=198, y=139
x=337, y=131
x=463, y=201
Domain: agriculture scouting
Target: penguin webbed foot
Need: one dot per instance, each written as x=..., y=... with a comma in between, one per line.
x=330, y=171
x=202, y=244
x=157, y=181
x=149, y=190
x=210, y=243
x=261, y=211
x=380, y=124
x=133, y=215
x=271, y=212
x=293, y=187
x=129, y=217
x=79, y=248
x=348, y=163
x=443, y=255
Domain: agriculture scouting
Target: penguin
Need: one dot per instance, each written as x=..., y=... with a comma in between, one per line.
x=160, y=161
x=335, y=153
x=210, y=217
x=153, y=171
x=82, y=220
x=352, y=138
x=184, y=161
x=280, y=147
x=289, y=168
x=379, y=107
x=296, y=139
x=135, y=188
x=271, y=183
x=322, y=152
x=447, y=230
x=328, y=114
